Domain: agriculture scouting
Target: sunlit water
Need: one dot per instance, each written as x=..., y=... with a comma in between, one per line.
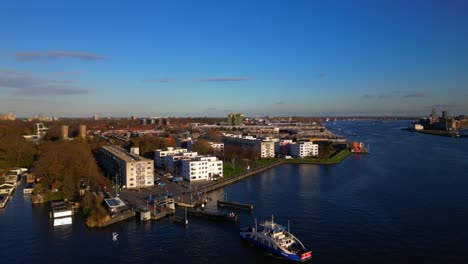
x=406, y=202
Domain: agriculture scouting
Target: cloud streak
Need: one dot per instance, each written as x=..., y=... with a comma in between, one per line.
x=55, y=54
x=376, y=96
x=414, y=95
x=224, y=79
x=161, y=80
x=28, y=84
x=66, y=73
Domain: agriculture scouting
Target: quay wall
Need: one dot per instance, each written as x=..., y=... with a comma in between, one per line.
x=119, y=218
x=213, y=186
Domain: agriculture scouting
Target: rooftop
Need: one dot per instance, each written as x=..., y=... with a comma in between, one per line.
x=123, y=154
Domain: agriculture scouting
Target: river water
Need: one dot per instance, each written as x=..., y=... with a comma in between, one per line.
x=406, y=202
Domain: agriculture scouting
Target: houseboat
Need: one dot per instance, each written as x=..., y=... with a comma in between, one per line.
x=61, y=213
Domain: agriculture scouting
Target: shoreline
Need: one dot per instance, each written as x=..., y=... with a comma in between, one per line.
x=339, y=157
x=134, y=200
x=435, y=133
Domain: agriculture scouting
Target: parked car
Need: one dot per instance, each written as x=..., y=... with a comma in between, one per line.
x=177, y=179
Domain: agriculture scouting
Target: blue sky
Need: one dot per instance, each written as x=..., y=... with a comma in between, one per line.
x=209, y=58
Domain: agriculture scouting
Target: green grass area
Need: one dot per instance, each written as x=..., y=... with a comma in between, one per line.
x=230, y=171
x=266, y=161
x=54, y=196
x=332, y=160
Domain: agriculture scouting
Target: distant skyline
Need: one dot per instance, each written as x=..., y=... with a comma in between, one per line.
x=210, y=58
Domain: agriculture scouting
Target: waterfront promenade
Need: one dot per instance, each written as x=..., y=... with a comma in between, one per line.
x=190, y=194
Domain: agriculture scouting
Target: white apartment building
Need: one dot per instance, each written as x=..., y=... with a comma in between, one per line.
x=217, y=146
x=173, y=163
x=201, y=168
x=160, y=155
x=132, y=171
x=304, y=149
x=264, y=147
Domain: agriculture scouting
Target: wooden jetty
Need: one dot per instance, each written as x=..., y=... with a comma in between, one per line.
x=189, y=205
x=161, y=214
x=235, y=205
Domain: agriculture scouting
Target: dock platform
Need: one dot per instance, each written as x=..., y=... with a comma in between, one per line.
x=235, y=205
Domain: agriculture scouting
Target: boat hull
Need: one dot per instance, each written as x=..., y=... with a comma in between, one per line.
x=288, y=256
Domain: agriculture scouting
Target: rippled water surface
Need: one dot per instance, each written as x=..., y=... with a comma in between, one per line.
x=406, y=202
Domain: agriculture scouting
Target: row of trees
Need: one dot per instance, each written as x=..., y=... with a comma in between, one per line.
x=15, y=151
x=149, y=143
x=65, y=165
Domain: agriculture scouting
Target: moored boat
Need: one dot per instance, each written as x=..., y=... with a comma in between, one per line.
x=276, y=239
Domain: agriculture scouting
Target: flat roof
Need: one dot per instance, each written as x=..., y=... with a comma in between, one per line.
x=114, y=202
x=123, y=154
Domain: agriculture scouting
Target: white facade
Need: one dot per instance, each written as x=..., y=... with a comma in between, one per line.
x=304, y=149
x=133, y=171
x=418, y=127
x=217, y=146
x=160, y=155
x=172, y=161
x=202, y=168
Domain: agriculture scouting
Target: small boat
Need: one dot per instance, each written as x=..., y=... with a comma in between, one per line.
x=231, y=217
x=115, y=236
x=277, y=240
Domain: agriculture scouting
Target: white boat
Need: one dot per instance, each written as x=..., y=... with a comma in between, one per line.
x=277, y=240
x=115, y=236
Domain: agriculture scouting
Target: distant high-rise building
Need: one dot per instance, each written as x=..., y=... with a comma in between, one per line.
x=64, y=132
x=239, y=119
x=444, y=114
x=230, y=119
x=95, y=117
x=235, y=120
x=83, y=131
x=434, y=112
x=133, y=117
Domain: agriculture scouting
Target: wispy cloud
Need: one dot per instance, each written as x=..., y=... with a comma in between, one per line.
x=224, y=79
x=66, y=73
x=279, y=103
x=369, y=96
x=29, y=84
x=414, y=95
x=161, y=80
x=55, y=54
x=323, y=75
x=376, y=96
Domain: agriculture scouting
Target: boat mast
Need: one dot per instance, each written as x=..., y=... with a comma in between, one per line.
x=255, y=224
x=272, y=221
x=289, y=228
